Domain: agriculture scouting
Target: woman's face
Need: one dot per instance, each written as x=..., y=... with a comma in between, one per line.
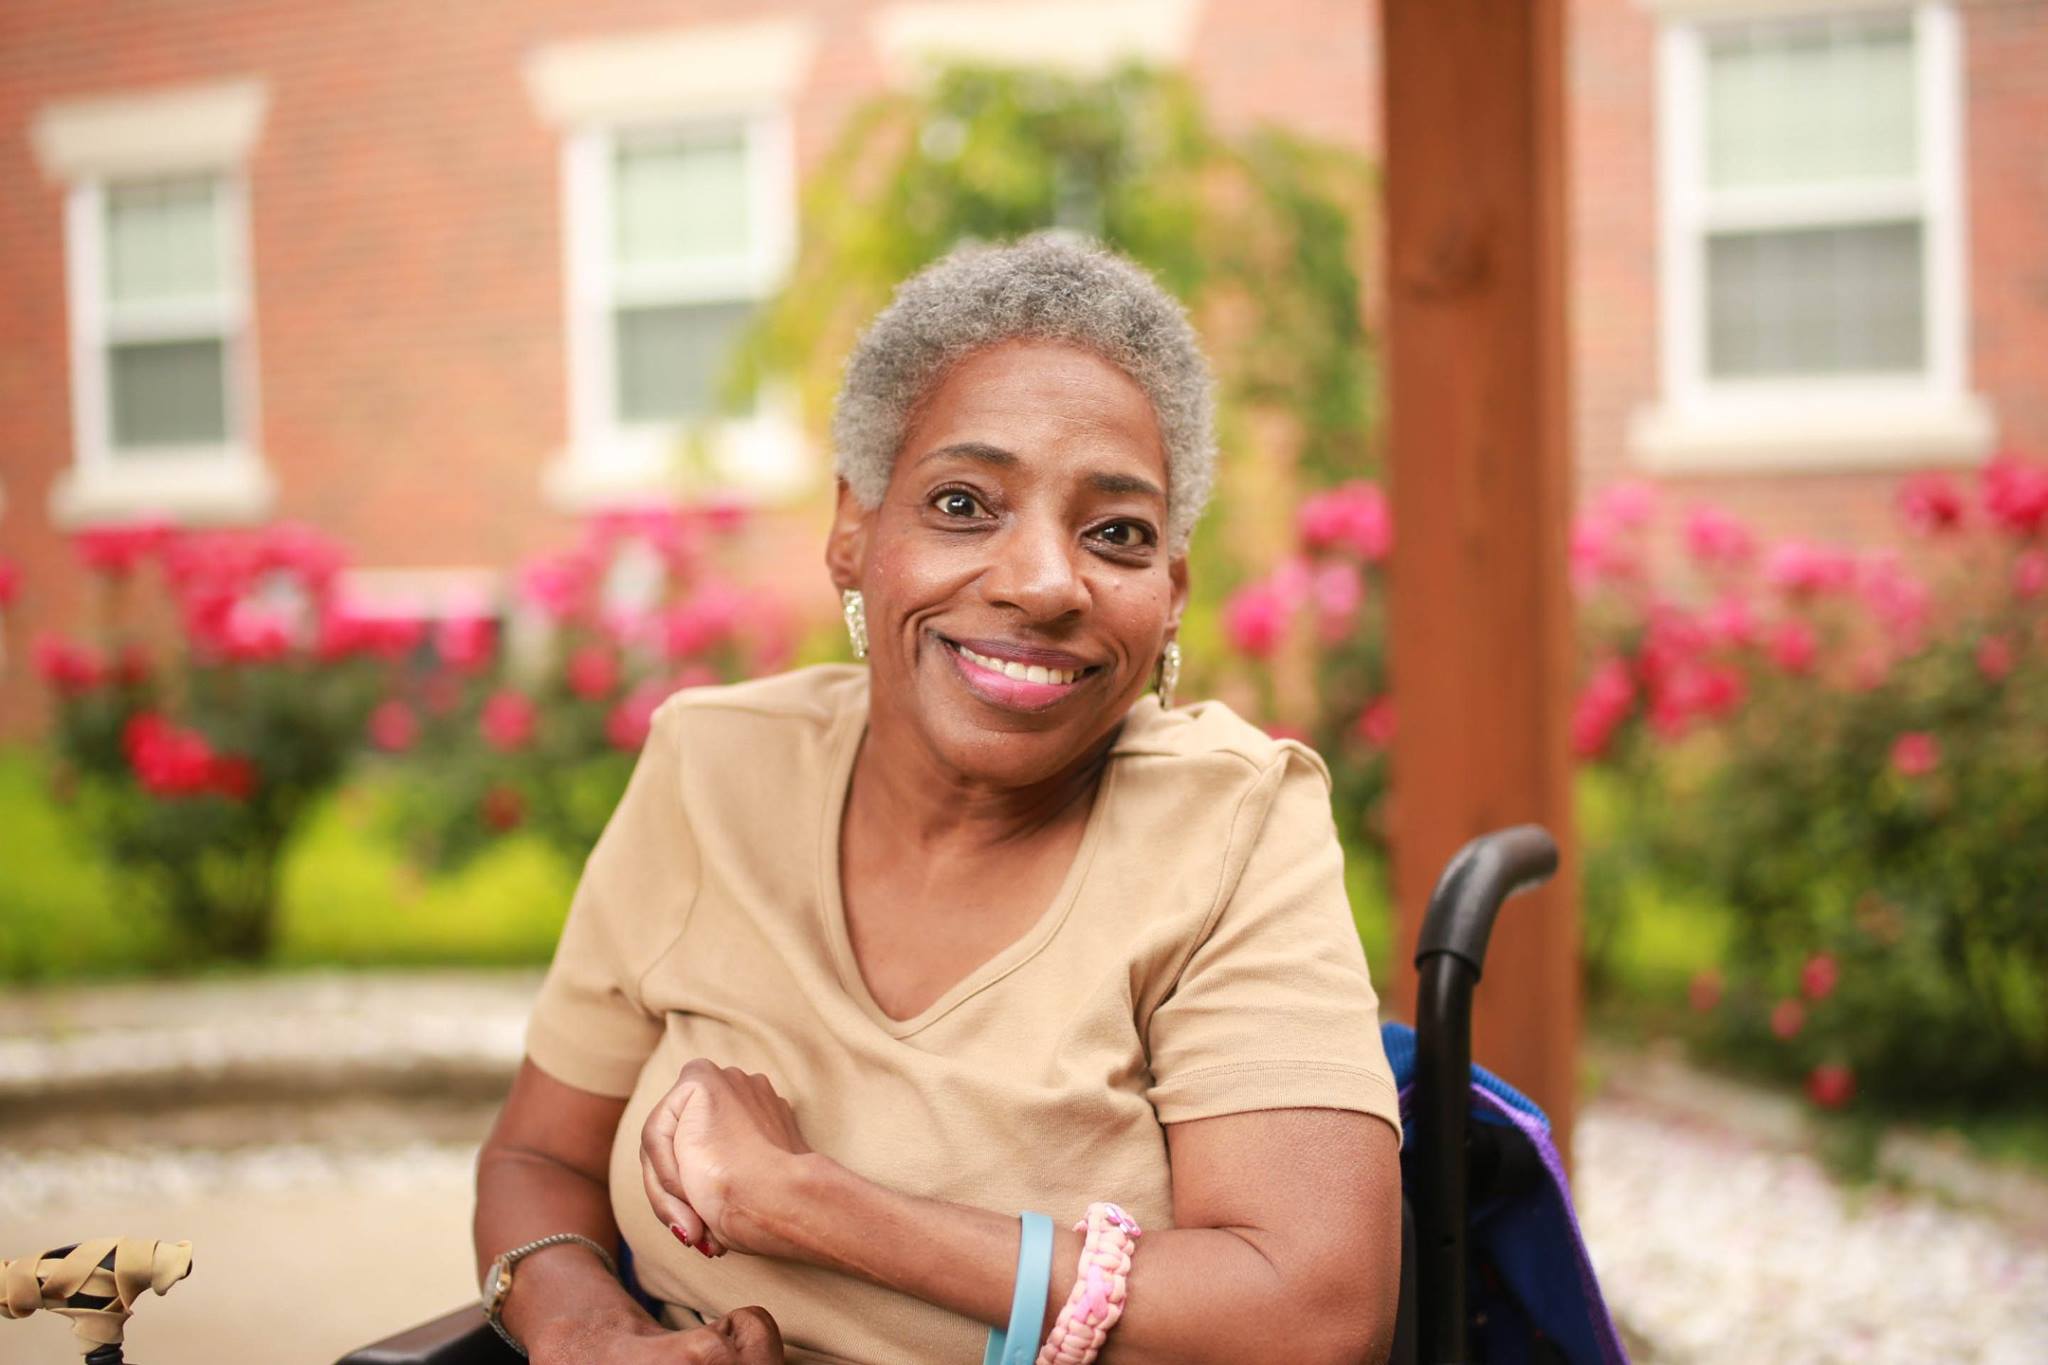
x=1016, y=578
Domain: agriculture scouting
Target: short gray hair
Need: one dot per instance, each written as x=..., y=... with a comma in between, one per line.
x=1052, y=286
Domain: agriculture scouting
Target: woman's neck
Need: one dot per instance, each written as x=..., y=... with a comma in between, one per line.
x=900, y=784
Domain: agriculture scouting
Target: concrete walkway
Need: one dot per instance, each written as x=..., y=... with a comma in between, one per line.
x=313, y=1136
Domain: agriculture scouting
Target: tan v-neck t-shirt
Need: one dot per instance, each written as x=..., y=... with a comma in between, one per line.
x=1198, y=960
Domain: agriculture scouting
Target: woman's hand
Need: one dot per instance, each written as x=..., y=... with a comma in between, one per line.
x=715, y=1154
x=745, y=1336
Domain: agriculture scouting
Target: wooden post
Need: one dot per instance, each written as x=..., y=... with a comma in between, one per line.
x=1481, y=486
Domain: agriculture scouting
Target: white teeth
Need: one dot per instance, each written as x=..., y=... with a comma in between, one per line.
x=1010, y=668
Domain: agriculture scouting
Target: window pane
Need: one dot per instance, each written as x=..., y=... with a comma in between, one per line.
x=679, y=197
x=163, y=240
x=670, y=359
x=1815, y=101
x=1815, y=301
x=168, y=393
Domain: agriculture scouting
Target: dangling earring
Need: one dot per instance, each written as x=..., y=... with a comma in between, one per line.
x=1167, y=675
x=856, y=612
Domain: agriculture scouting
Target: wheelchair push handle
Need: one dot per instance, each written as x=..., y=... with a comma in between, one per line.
x=1478, y=881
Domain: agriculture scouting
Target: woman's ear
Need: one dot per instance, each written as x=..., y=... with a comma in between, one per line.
x=1177, y=574
x=846, y=545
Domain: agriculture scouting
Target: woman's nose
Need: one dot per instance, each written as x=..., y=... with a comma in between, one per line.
x=1034, y=570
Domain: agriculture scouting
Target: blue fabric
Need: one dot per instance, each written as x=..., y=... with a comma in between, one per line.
x=1530, y=1282
x=1019, y=1344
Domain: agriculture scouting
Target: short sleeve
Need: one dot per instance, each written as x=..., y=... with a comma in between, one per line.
x=1274, y=1008
x=590, y=1027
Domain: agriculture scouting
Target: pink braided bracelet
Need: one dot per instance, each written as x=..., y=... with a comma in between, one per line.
x=1097, y=1300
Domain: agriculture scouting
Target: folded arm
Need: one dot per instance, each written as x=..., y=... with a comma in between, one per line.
x=1286, y=1227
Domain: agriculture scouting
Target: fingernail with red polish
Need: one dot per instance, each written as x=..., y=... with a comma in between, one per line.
x=705, y=1249
x=681, y=1236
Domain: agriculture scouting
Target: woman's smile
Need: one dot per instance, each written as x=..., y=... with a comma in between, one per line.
x=1017, y=677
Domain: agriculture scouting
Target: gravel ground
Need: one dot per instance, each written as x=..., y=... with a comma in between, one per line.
x=1715, y=1237
x=1714, y=1246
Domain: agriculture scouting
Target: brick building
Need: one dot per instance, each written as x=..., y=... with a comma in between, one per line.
x=431, y=277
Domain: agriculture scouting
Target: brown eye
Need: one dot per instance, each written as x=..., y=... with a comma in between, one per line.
x=1125, y=535
x=955, y=502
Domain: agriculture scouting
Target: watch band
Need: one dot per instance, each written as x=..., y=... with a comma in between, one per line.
x=497, y=1283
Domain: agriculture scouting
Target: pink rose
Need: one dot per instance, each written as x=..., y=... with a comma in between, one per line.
x=1717, y=540
x=1817, y=977
x=1994, y=658
x=68, y=668
x=393, y=726
x=1915, y=753
x=1603, y=704
x=2016, y=494
x=508, y=720
x=1793, y=647
x=1353, y=516
x=1255, y=619
x=1931, y=503
x=2030, y=573
x=593, y=671
x=1831, y=1085
x=1375, y=724
x=465, y=642
x=1788, y=1017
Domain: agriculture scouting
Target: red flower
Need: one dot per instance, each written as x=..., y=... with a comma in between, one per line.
x=1375, y=724
x=593, y=671
x=465, y=642
x=1931, y=503
x=1353, y=516
x=1603, y=704
x=1793, y=647
x=1994, y=657
x=68, y=668
x=168, y=760
x=233, y=777
x=1705, y=990
x=2016, y=494
x=1916, y=753
x=1831, y=1085
x=508, y=721
x=10, y=581
x=1255, y=619
x=117, y=550
x=2030, y=573
x=393, y=726
x=709, y=618
x=1817, y=977
x=1339, y=591
x=1717, y=540
x=1802, y=569
x=556, y=585
x=627, y=725
x=1787, y=1018
x=503, y=808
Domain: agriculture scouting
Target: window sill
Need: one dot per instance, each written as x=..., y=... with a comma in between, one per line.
x=1822, y=436
x=232, y=488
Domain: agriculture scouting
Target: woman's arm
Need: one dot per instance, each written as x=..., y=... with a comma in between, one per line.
x=1286, y=1241
x=543, y=1170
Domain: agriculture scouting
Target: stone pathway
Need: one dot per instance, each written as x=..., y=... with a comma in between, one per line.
x=313, y=1135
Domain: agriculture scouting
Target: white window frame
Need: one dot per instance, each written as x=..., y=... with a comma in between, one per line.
x=89, y=146
x=606, y=454
x=1823, y=421
x=747, y=73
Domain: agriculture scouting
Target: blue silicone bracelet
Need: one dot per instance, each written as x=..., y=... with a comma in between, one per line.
x=1019, y=1345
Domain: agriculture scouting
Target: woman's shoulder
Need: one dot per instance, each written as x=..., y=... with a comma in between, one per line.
x=817, y=696
x=1209, y=737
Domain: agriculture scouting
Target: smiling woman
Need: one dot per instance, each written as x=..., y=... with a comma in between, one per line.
x=871, y=961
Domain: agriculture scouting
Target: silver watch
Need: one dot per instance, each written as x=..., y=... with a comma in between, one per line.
x=498, y=1278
